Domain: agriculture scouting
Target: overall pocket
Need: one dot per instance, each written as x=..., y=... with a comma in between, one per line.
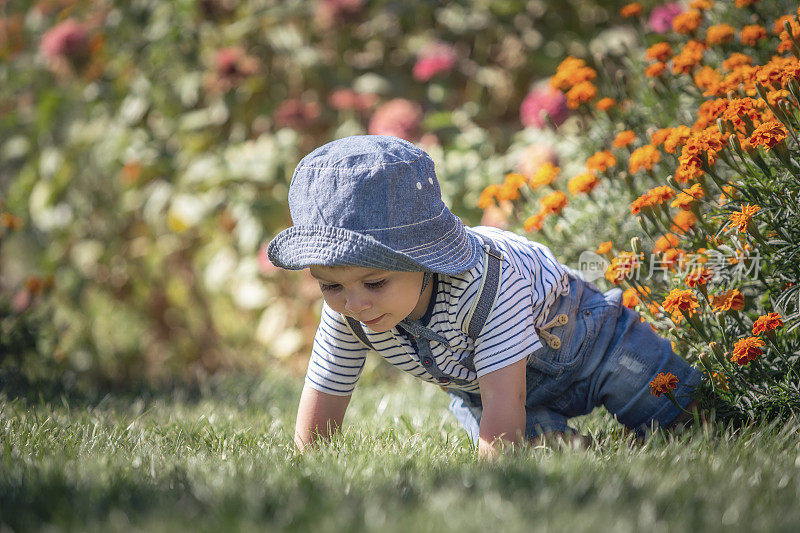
x=579, y=312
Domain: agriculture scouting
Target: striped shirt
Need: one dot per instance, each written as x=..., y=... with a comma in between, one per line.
x=530, y=281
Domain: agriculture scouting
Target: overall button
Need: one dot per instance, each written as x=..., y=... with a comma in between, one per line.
x=587, y=313
x=444, y=380
x=427, y=361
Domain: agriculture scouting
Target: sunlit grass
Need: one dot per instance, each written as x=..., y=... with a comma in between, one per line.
x=226, y=461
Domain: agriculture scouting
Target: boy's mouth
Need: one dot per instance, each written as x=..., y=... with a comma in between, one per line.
x=374, y=321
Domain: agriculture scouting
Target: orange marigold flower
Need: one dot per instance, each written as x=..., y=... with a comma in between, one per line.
x=601, y=161
x=766, y=323
x=623, y=139
x=511, y=186
x=655, y=70
x=752, y=34
x=738, y=108
x=630, y=298
x=670, y=257
x=707, y=79
x=676, y=138
x=774, y=97
x=554, y=202
x=659, y=136
x=644, y=158
x=768, y=134
x=622, y=266
x=688, y=196
x=689, y=57
x=536, y=221
x=687, y=22
x=719, y=33
x=604, y=104
x=663, y=383
x=737, y=59
x=581, y=93
x=731, y=300
x=488, y=195
x=728, y=192
x=659, y=51
x=640, y=203
x=683, y=221
x=583, y=183
x=570, y=72
x=698, y=276
x=746, y=350
x=665, y=242
x=604, y=248
x=680, y=300
x=701, y=5
x=546, y=175
x=633, y=9
x=742, y=218
x=777, y=26
x=661, y=194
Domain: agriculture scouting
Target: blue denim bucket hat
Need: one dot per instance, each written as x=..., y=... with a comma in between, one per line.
x=372, y=201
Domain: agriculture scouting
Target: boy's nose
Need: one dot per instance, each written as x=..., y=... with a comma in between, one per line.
x=356, y=304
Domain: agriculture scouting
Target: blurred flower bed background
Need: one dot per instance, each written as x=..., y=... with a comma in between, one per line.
x=146, y=148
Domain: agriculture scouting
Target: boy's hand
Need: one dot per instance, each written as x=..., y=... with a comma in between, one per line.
x=503, y=418
x=318, y=416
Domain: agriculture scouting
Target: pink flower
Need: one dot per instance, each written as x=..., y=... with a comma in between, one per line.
x=349, y=100
x=437, y=58
x=543, y=98
x=398, y=117
x=232, y=66
x=296, y=114
x=660, y=20
x=68, y=40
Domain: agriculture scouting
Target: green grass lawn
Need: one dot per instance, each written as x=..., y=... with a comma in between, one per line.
x=224, y=461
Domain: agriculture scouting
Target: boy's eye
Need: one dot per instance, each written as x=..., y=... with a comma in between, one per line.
x=374, y=285
x=333, y=287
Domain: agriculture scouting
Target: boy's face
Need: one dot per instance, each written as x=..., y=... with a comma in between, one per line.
x=379, y=299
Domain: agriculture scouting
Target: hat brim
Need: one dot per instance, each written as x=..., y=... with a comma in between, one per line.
x=299, y=247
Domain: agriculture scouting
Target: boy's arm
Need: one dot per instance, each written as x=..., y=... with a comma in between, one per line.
x=318, y=416
x=503, y=418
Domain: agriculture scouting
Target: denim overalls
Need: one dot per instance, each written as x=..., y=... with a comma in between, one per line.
x=598, y=353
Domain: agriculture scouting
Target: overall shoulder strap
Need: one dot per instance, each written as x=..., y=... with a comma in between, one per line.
x=488, y=291
x=358, y=331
